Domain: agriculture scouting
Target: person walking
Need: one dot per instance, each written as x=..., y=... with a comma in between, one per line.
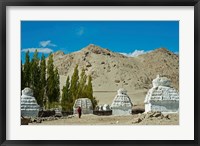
x=79, y=112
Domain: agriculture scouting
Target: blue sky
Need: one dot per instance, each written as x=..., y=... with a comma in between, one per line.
x=128, y=37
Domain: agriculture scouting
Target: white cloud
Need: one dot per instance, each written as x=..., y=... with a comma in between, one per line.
x=40, y=50
x=135, y=53
x=47, y=43
x=80, y=31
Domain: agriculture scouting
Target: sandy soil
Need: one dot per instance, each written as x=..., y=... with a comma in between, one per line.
x=114, y=120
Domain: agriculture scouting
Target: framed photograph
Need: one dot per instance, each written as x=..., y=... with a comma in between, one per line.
x=99, y=72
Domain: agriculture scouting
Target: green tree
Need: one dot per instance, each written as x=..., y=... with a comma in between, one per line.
x=35, y=78
x=74, y=84
x=50, y=80
x=43, y=81
x=43, y=71
x=89, y=88
x=67, y=101
x=82, y=85
x=53, y=83
x=22, y=77
x=89, y=91
x=27, y=70
x=56, y=86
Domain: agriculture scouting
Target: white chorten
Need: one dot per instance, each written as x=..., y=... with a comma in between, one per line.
x=121, y=104
x=85, y=104
x=29, y=106
x=162, y=97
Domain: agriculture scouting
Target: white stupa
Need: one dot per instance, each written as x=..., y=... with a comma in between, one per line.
x=29, y=106
x=85, y=104
x=121, y=104
x=162, y=97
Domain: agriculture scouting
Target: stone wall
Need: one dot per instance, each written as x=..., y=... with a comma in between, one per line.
x=102, y=113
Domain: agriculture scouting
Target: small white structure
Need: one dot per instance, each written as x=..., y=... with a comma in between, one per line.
x=29, y=106
x=58, y=112
x=121, y=104
x=106, y=107
x=162, y=97
x=85, y=104
x=100, y=108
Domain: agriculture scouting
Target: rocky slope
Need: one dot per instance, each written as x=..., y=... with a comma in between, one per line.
x=111, y=71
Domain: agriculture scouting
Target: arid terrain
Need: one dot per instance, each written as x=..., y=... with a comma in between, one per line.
x=111, y=71
x=137, y=119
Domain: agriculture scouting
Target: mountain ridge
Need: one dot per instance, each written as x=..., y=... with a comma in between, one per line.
x=111, y=70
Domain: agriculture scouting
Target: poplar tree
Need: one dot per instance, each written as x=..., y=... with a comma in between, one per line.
x=27, y=69
x=43, y=71
x=22, y=77
x=43, y=80
x=35, y=77
x=82, y=85
x=74, y=83
x=50, y=79
x=89, y=91
x=67, y=101
x=56, y=86
x=53, y=82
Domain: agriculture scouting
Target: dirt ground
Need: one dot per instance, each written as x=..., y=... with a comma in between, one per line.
x=137, y=119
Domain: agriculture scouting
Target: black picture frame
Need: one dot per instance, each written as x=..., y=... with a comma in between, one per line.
x=5, y=3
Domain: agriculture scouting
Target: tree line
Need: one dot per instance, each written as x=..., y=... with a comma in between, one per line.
x=78, y=87
x=43, y=79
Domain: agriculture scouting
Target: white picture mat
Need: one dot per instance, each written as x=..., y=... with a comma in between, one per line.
x=183, y=131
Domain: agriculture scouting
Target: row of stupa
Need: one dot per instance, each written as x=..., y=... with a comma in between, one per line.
x=161, y=97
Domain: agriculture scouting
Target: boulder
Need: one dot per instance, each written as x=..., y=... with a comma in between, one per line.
x=25, y=121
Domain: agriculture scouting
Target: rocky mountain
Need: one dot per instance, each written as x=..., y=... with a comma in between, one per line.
x=111, y=71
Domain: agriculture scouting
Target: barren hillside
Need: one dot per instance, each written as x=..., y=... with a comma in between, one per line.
x=111, y=71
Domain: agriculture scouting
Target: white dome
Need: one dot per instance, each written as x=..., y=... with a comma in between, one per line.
x=122, y=91
x=106, y=107
x=161, y=81
x=121, y=99
x=85, y=104
x=27, y=91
